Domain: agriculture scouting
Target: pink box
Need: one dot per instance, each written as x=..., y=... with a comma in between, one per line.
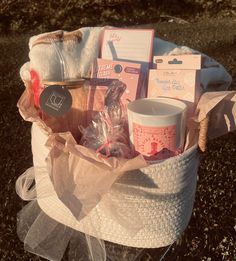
x=126, y=44
x=104, y=71
x=130, y=45
x=182, y=84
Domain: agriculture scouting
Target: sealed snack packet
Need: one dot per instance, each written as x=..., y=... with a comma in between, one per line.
x=108, y=133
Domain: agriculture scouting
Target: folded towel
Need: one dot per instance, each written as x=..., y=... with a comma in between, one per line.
x=59, y=55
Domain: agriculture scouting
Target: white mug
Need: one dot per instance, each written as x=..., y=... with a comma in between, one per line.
x=156, y=125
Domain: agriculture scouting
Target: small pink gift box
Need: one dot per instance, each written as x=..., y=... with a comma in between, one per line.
x=176, y=77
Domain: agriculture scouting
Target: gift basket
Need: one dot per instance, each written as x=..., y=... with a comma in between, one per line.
x=116, y=135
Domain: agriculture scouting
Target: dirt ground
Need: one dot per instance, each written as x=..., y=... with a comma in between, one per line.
x=211, y=234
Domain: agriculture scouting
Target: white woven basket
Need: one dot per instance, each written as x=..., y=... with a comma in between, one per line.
x=147, y=208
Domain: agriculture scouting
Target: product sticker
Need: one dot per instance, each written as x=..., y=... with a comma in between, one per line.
x=150, y=140
x=55, y=100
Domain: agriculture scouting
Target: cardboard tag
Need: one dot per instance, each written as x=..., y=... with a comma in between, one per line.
x=55, y=100
x=178, y=62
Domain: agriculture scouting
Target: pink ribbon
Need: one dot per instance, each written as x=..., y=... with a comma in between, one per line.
x=35, y=81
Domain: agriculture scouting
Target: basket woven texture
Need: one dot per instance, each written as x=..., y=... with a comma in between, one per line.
x=146, y=208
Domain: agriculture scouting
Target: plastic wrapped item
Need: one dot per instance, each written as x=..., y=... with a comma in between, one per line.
x=108, y=133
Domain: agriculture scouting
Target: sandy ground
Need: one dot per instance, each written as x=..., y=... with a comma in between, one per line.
x=211, y=233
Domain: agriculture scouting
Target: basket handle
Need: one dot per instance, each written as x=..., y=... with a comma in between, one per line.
x=202, y=139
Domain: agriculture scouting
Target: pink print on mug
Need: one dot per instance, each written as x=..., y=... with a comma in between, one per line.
x=150, y=141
